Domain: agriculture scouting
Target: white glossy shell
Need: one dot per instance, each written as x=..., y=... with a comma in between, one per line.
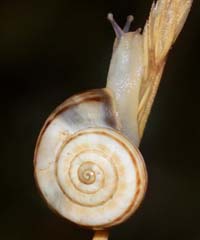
x=88, y=172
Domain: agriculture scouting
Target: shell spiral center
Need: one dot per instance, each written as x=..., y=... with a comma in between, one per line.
x=86, y=173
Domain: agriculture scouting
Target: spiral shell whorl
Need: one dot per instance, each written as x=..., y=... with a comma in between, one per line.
x=90, y=171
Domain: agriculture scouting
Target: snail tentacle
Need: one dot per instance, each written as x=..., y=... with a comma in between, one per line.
x=118, y=31
x=127, y=25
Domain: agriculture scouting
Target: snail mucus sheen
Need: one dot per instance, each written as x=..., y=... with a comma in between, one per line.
x=87, y=164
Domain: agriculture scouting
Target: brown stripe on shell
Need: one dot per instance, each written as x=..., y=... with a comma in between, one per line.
x=141, y=186
x=133, y=207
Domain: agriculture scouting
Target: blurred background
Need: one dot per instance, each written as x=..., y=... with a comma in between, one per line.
x=50, y=50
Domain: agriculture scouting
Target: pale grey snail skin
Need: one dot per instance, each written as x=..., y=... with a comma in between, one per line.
x=87, y=163
x=87, y=171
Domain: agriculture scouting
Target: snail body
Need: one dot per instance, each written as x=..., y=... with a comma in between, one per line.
x=87, y=163
x=124, y=79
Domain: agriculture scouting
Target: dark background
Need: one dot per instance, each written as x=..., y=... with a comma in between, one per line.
x=50, y=50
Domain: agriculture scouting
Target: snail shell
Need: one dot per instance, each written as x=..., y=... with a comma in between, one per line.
x=86, y=170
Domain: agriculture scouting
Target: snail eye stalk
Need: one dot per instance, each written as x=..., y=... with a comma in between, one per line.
x=118, y=31
x=128, y=23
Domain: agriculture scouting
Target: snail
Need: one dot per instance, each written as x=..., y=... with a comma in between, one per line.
x=87, y=162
